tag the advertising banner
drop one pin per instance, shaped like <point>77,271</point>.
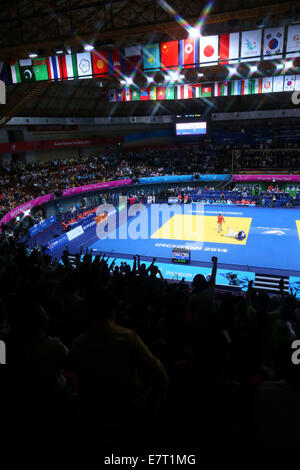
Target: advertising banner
<point>26,206</point>
<point>37,228</point>
<point>277,178</point>
<point>96,186</point>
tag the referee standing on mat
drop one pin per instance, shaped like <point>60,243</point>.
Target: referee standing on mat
<point>221,221</point>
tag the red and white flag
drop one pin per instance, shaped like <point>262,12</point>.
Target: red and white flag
<point>184,92</point>
<point>229,48</point>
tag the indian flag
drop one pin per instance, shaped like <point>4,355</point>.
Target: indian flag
<point>15,72</point>
<point>69,66</point>
<point>258,86</point>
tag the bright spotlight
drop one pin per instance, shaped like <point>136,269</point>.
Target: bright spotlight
<point>194,33</point>
<point>253,68</point>
<point>174,76</point>
<point>129,81</point>
<point>231,70</point>
<point>88,47</point>
<point>289,64</point>
<point>279,66</point>
<point>150,79</point>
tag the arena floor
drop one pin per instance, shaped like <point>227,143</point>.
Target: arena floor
<point>271,246</point>
<point>272,239</point>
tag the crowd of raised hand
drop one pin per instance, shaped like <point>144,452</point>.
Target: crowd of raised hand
<point>116,357</point>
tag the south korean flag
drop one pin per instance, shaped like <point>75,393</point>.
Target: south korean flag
<point>273,41</point>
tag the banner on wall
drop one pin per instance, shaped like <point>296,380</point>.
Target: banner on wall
<point>26,206</point>
<point>277,178</point>
<point>96,186</point>
<point>41,226</point>
<point>55,144</point>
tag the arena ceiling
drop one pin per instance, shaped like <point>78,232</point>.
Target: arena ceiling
<point>44,26</point>
<point>28,25</point>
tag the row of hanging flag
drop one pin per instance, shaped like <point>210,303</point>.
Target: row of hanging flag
<point>205,90</point>
<point>271,43</point>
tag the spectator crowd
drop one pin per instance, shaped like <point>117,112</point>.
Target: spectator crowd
<point>117,358</point>
<point>21,182</point>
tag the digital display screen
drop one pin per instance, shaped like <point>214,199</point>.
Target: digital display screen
<point>181,256</point>
<point>191,128</point>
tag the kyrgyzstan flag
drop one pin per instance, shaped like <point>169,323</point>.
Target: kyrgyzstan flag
<point>169,54</point>
<point>161,93</point>
<point>188,57</point>
<point>229,48</point>
<point>100,62</point>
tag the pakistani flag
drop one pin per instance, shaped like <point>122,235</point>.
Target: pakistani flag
<point>15,72</point>
<point>40,69</point>
<point>170,93</point>
<point>26,70</point>
<point>135,96</point>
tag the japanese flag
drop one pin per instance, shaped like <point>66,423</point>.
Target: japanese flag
<point>209,50</point>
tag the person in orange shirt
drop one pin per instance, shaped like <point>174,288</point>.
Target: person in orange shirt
<point>221,221</point>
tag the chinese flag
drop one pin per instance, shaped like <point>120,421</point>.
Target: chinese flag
<point>100,62</point>
<point>169,54</point>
